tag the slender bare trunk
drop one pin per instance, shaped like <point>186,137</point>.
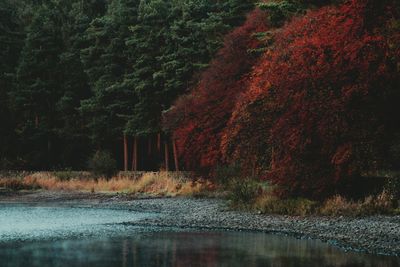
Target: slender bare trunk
<point>166,155</point>
<point>175,155</point>
<point>254,169</point>
<point>125,153</point>
<point>159,142</point>
<point>149,146</point>
<point>134,155</point>
<point>36,121</point>
<point>273,159</point>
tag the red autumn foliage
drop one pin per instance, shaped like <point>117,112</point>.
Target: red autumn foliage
<point>320,107</point>
<point>198,119</point>
<point>324,102</point>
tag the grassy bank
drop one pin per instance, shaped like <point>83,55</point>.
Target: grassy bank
<point>334,206</point>
<point>151,183</point>
<point>242,194</point>
<point>259,197</point>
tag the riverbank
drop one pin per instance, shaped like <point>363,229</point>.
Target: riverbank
<point>373,234</point>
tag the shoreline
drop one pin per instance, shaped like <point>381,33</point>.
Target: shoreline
<point>373,234</point>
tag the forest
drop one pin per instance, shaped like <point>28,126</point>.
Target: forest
<point>78,76</point>
<point>301,93</point>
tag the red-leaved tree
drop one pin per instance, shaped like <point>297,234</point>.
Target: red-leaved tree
<point>198,119</point>
<point>324,101</point>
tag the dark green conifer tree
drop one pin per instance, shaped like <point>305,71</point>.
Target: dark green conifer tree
<point>11,37</point>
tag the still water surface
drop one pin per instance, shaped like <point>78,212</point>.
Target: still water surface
<point>65,236</point>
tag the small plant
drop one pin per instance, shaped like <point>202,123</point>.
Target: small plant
<point>17,184</point>
<point>226,173</point>
<point>393,188</point>
<point>339,206</point>
<point>65,175</point>
<point>380,204</point>
<point>242,191</point>
<point>269,204</point>
<point>13,184</point>
<point>103,164</point>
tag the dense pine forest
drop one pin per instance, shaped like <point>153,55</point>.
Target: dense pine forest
<point>302,93</point>
<point>77,76</point>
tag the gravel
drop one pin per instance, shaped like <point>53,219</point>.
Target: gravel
<point>374,234</point>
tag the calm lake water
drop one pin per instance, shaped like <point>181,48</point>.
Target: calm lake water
<point>62,236</point>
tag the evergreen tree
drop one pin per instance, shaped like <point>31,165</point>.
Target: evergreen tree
<point>145,44</point>
<point>38,88</point>
<point>74,84</point>
<point>11,36</point>
<point>106,61</point>
<point>98,70</point>
<point>173,41</point>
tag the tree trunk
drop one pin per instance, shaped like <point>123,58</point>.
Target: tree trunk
<point>175,155</point>
<point>49,156</point>
<point>125,153</point>
<point>273,159</point>
<point>166,155</point>
<point>254,169</point>
<point>159,142</point>
<point>36,121</point>
<point>134,155</point>
<point>149,146</point>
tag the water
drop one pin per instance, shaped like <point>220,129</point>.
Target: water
<point>62,236</point>
<point>29,222</point>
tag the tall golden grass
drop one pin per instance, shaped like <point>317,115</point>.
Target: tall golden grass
<point>338,205</point>
<point>159,183</point>
<point>334,206</point>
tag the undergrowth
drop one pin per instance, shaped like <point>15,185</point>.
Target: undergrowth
<point>334,206</point>
<point>249,194</point>
<point>246,193</point>
<point>157,183</point>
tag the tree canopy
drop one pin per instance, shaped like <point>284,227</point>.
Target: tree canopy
<point>77,76</point>
<point>303,93</point>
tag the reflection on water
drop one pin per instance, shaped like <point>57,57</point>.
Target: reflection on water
<point>64,236</point>
<point>28,222</point>
<point>174,248</point>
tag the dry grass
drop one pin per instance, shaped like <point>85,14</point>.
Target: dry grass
<point>267,203</point>
<point>334,206</point>
<point>161,183</point>
<point>176,184</point>
<point>337,206</point>
<point>17,184</point>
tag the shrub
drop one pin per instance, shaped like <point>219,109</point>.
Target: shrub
<point>339,206</point>
<point>267,203</point>
<point>393,187</point>
<point>17,184</point>
<point>381,204</point>
<point>242,191</point>
<point>13,184</point>
<point>65,175</point>
<point>102,164</point>
<point>322,99</point>
<point>225,173</point>
<point>334,206</point>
